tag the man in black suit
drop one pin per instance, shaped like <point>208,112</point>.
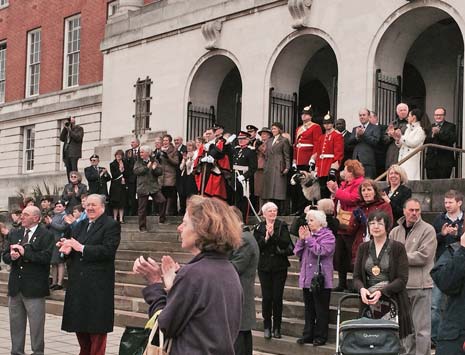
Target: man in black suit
<point>439,162</point>
<point>182,151</point>
<point>89,300</point>
<point>131,156</point>
<point>97,177</point>
<point>364,139</point>
<point>380,150</point>
<point>28,250</point>
<point>71,135</point>
<point>348,149</point>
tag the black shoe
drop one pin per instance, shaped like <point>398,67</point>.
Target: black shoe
<point>57,288</point>
<point>319,342</point>
<point>267,333</point>
<point>304,340</point>
<point>277,333</point>
<point>52,287</point>
<point>143,230</point>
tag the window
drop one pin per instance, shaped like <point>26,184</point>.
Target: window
<point>33,63</point>
<point>2,71</point>
<point>29,137</point>
<point>72,51</point>
<point>112,7</point>
<point>142,101</point>
<point>3,3</point>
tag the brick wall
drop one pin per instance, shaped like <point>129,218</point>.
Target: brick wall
<point>22,16</point>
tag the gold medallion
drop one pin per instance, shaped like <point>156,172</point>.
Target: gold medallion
<point>375,270</point>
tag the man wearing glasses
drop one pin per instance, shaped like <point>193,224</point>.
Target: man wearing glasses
<point>439,162</point>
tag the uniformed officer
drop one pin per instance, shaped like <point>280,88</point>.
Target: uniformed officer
<point>306,136</point>
<point>329,153</point>
<point>244,167</point>
<point>254,141</point>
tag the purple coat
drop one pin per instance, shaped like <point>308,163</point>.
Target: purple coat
<point>322,242</point>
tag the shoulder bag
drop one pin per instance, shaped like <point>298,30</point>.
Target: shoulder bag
<point>318,280</point>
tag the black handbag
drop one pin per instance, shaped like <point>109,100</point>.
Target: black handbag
<point>134,341</point>
<point>318,280</point>
<point>289,250</point>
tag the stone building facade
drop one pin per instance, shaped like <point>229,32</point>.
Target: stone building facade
<point>256,61</point>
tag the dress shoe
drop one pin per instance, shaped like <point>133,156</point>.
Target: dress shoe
<point>304,340</point>
<point>319,342</point>
<point>267,333</point>
<point>162,220</point>
<point>52,287</point>
<point>143,230</point>
<point>277,333</point>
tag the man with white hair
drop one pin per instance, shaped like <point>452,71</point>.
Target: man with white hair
<point>28,250</point>
<point>148,169</point>
<point>400,123</point>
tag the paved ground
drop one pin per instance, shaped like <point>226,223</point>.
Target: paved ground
<point>57,342</point>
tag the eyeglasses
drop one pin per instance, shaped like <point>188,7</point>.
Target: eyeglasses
<point>376,223</point>
<point>73,177</point>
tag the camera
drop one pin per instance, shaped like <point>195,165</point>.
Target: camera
<point>453,225</point>
<point>68,122</point>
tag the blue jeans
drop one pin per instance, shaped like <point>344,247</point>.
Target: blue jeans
<point>437,307</point>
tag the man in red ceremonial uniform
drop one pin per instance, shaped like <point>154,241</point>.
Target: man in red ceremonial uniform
<point>306,137</point>
<point>212,166</point>
<point>328,155</point>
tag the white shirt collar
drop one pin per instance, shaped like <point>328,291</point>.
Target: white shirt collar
<point>32,230</point>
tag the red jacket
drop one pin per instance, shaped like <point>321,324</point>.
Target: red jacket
<point>347,194</point>
<point>306,138</point>
<point>329,149</point>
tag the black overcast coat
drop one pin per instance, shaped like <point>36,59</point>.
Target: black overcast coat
<point>89,301</point>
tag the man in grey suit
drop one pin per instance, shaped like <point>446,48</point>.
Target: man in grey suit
<point>245,260</point>
<point>364,139</point>
<point>28,250</point>
<point>71,135</point>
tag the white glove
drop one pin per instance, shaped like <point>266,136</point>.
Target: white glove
<point>231,139</point>
<point>206,146</point>
<point>241,178</point>
<point>294,166</point>
<point>312,164</point>
<point>207,159</point>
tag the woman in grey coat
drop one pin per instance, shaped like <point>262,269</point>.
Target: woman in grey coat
<point>277,165</point>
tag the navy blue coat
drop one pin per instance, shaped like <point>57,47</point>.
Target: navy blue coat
<point>449,276</point>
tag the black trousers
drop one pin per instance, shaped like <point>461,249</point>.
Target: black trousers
<point>71,164</point>
<point>243,344</point>
<point>442,172</point>
<point>171,200</point>
<point>451,347</point>
<point>272,284</point>
<point>132,201</point>
<point>316,314</point>
<point>325,193</point>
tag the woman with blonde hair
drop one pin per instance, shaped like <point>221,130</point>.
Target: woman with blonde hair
<point>396,193</point>
<point>202,301</point>
<point>274,240</point>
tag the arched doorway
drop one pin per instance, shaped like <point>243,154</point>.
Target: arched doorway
<point>304,73</point>
<point>424,48</point>
<point>214,96</point>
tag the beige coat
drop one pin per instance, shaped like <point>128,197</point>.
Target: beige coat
<point>169,164</point>
<point>421,248</point>
<point>277,159</point>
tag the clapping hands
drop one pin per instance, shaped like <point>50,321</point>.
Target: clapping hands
<point>154,272</point>
<point>369,298</point>
<point>304,232</point>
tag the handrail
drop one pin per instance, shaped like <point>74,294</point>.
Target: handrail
<point>419,149</point>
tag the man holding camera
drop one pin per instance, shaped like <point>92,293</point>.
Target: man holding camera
<point>71,135</point>
<point>28,250</point>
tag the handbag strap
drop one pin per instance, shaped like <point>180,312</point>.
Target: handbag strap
<point>319,264</point>
<point>161,336</point>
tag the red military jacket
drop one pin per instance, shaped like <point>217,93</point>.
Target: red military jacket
<point>329,149</point>
<point>306,137</point>
<point>215,184</point>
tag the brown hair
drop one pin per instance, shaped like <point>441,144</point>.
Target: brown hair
<point>119,152</point>
<point>456,195</point>
<point>373,184</point>
<point>217,226</point>
<point>355,167</point>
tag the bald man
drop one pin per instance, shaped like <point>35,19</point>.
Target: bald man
<point>28,250</point>
<point>400,123</point>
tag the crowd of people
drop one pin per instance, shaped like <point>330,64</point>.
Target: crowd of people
<point>216,182</point>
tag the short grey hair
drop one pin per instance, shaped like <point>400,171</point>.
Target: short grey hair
<point>101,198</point>
<point>146,148</point>
<point>268,206</point>
<point>326,205</point>
<point>317,215</point>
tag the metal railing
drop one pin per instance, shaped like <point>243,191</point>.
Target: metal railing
<point>421,149</point>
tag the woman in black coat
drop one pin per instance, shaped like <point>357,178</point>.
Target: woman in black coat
<point>397,192</point>
<point>119,188</point>
<point>381,270</point>
<point>73,191</point>
<point>274,241</point>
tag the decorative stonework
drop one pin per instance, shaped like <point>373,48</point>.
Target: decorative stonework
<point>129,5</point>
<point>299,9</point>
<point>211,32</point>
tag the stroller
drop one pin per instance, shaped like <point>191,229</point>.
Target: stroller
<point>368,336</point>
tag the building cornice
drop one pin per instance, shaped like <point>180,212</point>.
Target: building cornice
<point>164,19</point>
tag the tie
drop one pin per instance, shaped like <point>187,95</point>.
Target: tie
<point>96,168</point>
<point>89,226</point>
<point>26,237</point>
<point>135,152</point>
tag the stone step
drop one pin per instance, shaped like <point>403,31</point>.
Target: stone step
<point>150,245</point>
<point>164,236</point>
